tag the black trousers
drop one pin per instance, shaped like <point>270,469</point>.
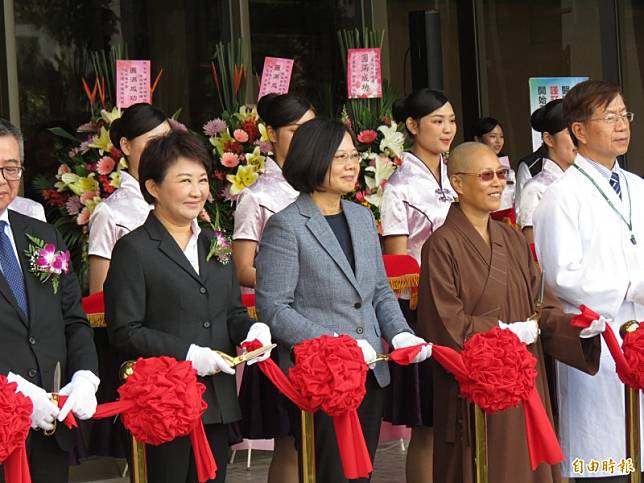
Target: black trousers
<point>174,462</point>
<point>47,462</point>
<point>329,466</point>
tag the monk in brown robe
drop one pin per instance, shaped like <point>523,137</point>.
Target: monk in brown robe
<point>478,272</point>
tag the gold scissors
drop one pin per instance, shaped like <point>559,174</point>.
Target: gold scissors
<point>245,357</point>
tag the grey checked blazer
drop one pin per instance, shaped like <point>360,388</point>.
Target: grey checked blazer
<point>306,287</point>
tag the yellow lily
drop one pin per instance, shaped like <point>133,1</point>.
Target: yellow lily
<point>256,159</point>
<point>219,141</point>
<point>102,142</point>
<point>93,203</point>
<point>263,132</point>
<point>115,178</point>
<point>79,184</point>
<point>110,116</point>
<point>245,176</point>
<point>245,113</point>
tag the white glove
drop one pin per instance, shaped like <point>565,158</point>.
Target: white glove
<point>45,410</point>
<point>527,331</point>
<point>407,339</point>
<point>207,362</point>
<point>596,327</point>
<point>262,333</point>
<point>368,352</point>
<point>81,395</point>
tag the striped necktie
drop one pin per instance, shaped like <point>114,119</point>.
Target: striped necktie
<point>11,270</point>
<point>614,182</point>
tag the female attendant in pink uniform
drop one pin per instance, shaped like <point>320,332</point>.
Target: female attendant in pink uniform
<point>263,410</point>
<point>415,203</point>
<point>122,212</point>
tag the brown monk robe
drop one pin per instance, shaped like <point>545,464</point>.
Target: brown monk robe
<point>475,273</point>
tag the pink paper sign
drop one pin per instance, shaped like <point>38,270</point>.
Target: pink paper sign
<point>276,76</point>
<point>132,82</point>
<point>364,77</point>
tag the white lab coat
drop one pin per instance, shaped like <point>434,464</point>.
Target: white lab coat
<point>587,257</point>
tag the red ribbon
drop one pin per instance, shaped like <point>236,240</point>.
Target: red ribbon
<point>543,446</point>
<point>160,401</point>
<point>623,368</point>
<point>354,455</point>
<point>70,420</point>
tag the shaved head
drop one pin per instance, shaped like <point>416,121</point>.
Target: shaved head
<point>462,156</point>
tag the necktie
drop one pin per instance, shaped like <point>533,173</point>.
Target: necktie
<point>11,270</point>
<point>614,182</point>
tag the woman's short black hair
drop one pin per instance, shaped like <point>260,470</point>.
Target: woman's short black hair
<point>162,152</point>
<point>418,104</point>
<point>485,125</point>
<point>311,153</point>
<point>135,121</point>
<point>279,110</point>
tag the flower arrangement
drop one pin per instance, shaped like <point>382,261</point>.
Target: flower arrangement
<point>46,262</point>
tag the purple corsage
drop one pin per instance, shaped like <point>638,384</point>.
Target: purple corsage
<point>220,248</point>
<point>45,262</point>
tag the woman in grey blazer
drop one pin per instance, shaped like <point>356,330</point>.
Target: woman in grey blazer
<point>320,271</point>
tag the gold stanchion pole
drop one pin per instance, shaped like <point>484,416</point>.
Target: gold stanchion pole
<point>480,445</point>
<point>307,458</point>
<point>632,404</point>
<point>138,466</point>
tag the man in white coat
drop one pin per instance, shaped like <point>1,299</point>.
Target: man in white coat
<point>589,235</point>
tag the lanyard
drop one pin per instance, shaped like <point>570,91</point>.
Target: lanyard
<point>628,223</point>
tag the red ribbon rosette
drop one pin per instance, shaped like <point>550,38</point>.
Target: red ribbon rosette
<point>160,401</point>
<point>329,374</point>
<point>496,371</point>
<point>15,421</point>
<point>629,364</point>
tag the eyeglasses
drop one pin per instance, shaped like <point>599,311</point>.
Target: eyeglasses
<point>347,158</point>
<point>488,175</point>
<point>612,118</point>
<point>11,173</point>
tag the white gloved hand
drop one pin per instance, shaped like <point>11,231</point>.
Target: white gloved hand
<point>81,395</point>
<point>207,362</point>
<point>262,333</point>
<point>45,410</point>
<point>596,327</point>
<point>368,352</point>
<point>407,339</point>
<point>527,331</point>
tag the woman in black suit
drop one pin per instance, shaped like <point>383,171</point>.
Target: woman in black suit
<point>164,298</point>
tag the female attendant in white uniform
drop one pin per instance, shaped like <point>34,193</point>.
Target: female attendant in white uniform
<point>125,209</point>
<point>560,155</point>
<point>264,413</point>
<point>122,212</point>
<point>415,203</point>
<point>490,132</point>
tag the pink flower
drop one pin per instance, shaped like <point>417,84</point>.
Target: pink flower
<point>87,127</point>
<point>265,147</point>
<point>83,217</point>
<point>214,127</point>
<point>88,196</point>
<point>73,152</point>
<point>84,146</point>
<point>46,256</point>
<point>367,136</point>
<point>230,160</point>
<point>63,169</point>
<point>105,165</point>
<point>177,126</point>
<point>73,205</point>
<point>204,216</point>
<point>360,196</point>
<point>240,135</point>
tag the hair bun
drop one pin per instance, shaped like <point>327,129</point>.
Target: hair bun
<point>549,118</point>
<point>115,133</point>
<point>399,109</point>
<point>264,105</point>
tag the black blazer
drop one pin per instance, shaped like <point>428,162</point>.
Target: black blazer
<point>57,329</point>
<point>157,305</point>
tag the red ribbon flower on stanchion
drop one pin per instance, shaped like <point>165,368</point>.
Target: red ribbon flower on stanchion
<point>629,363</point>
<point>329,374</point>
<point>15,421</point>
<point>496,371</point>
<point>160,401</point>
